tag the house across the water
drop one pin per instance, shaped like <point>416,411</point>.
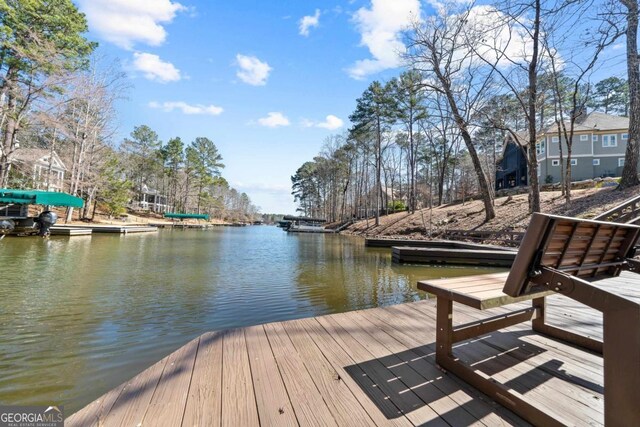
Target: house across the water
<point>38,169</point>
<point>598,151</point>
<point>150,199</point>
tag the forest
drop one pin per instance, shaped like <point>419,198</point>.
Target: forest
<point>475,76</point>
<point>58,94</point>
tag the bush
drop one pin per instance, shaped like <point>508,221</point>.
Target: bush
<point>548,179</point>
<point>398,205</point>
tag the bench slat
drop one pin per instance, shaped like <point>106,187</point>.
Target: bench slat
<point>481,291</point>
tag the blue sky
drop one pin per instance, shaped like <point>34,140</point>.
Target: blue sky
<point>267,81</point>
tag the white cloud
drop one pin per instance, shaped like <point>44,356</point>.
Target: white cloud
<point>252,71</point>
<point>274,120</point>
<point>155,68</point>
<point>331,122</point>
<point>380,29</point>
<point>127,22</point>
<point>309,21</point>
<point>197,109</point>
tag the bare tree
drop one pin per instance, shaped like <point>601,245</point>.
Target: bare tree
<point>573,68</point>
<point>439,49</point>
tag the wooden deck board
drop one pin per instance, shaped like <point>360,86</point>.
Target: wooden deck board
<point>309,405</point>
<point>340,400</point>
<point>274,405</point>
<point>368,367</point>
<point>204,401</point>
<point>238,397</point>
<point>168,402</point>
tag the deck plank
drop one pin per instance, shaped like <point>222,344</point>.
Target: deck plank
<point>204,400</point>
<point>308,404</point>
<point>131,405</point>
<point>339,360</point>
<point>168,402</point>
<point>343,405</point>
<point>414,372</point>
<point>490,413</point>
<point>523,377</point>
<point>96,411</point>
<point>416,410</point>
<point>274,405</point>
<point>238,397</point>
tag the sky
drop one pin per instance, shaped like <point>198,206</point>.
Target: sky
<point>267,81</point>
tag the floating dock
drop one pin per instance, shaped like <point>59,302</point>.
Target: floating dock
<point>448,244</point>
<point>477,257</point>
<point>308,229</point>
<point>372,367</point>
<point>121,229</point>
<point>68,231</point>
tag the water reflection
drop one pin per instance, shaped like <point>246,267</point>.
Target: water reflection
<point>80,315</point>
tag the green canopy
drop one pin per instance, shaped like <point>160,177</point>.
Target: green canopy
<point>37,197</point>
<point>185,216</point>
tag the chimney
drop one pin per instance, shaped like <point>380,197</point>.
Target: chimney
<point>580,114</point>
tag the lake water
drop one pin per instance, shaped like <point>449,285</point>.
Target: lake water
<point>80,315</point>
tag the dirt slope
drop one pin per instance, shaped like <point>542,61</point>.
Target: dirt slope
<point>511,213</point>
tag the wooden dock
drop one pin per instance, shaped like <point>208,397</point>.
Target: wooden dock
<point>476,257</point>
<point>371,367</point>
<point>118,229</point>
<point>68,231</point>
<point>435,244</point>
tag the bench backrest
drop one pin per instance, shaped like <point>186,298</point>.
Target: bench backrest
<point>579,247</point>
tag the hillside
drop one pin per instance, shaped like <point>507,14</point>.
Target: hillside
<point>511,214</point>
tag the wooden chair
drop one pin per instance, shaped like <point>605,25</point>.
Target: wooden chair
<point>556,255</point>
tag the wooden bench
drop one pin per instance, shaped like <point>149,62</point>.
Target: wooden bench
<point>557,255</point>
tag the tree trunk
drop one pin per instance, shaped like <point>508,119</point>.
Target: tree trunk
<point>8,144</point>
<point>489,212</point>
<point>378,169</point>
<point>534,192</point>
<point>632,155</point>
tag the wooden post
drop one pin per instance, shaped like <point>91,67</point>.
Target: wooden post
<point>444,331</point>
<point>621,366</point>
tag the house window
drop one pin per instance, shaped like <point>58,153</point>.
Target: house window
<point>555,139</point>
<point>555,162</point>
<point>594,138</point>
<point>621,162</point>
<point>540,148</point>
<point>609,141</point>
<point>624,136</point>
<point>596,162</point>
<point>574,162</point>
<point>584,137</point>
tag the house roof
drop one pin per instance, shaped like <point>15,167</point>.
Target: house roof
<point>602,121</point>
<point>521,136</point>
<point>32,155</point>
<point>594,121</point>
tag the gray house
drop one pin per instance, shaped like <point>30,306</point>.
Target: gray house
<point>598,148</point>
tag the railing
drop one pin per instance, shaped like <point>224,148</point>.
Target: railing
<point>626,212</point>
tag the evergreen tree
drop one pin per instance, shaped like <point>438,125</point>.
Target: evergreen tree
<point>38,39</point>
<point>375,111</point>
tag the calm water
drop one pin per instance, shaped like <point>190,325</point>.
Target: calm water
<point>80,315</point>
